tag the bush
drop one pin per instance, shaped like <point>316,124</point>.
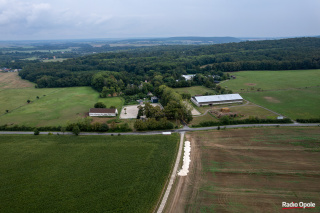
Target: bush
<point>99,105</point>
<point>36,131</point>
<point>104,128</point>
<point>76,130</point>
<point>153,124</point>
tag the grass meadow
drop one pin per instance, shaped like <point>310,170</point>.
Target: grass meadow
<point>294,93</point>
<point>55,106</point>
<point>300,103</point>
<point>195,90</point>
<point>273,80</point>
<point>84,173</point>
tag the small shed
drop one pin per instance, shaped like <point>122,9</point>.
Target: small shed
<point>154,99</point>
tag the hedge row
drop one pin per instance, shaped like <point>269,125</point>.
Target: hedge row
<point>88,128</point>
<point>310,120</point>
<point>245,121</point>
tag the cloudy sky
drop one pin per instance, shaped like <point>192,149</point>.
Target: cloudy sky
<point>78,19</point>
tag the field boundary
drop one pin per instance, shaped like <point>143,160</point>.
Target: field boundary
<point>173,176</point>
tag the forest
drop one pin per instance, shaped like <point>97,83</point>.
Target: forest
<point>165,64</point>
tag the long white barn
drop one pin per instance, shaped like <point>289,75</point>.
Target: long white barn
<point>216,99</point>
<point>102,112</point>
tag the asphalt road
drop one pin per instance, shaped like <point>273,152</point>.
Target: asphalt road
<point>185,129</point>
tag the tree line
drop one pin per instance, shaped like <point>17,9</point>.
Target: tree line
<point>166,64</point>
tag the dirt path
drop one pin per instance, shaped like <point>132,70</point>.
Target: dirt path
<point>173,176</point>
<point>186,188</point>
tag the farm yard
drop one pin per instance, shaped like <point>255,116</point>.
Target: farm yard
<point>85,173</point>
<point>249,170</point>
<point>131,111</point>
<point>243,111</point>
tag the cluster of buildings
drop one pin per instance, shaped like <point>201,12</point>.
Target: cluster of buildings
<point>5,69</point>
<point>208,100</point>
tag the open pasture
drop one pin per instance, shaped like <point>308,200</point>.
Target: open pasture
<point>84,173</point>
<point>297,103</point>
<point>195,90</point>
<point>9,80</point>
<point>251,170</point>
<point>55,106</point>
<point>272,80</point>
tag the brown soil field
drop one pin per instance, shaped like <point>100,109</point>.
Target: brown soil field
<point>12,80</point>
<point>250,170</point>
<point>250,84</point>
<point>271,99</point>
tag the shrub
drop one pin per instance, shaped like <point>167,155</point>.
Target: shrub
<point>36,131</point>
<point>99,105</point>
<point>76,130</point>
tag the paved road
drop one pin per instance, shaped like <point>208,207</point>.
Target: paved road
<point>184,129</point>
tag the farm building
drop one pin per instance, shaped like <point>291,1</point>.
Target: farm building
<point>154,99</point>
<point>103,112</point>
<point>216,99</point>
<point>188,77</point>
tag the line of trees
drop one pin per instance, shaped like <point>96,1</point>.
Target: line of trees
<point>165,64</point>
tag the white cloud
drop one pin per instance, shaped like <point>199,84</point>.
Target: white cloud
<point>47,19</point>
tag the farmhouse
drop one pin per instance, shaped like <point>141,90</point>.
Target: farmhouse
<point>188,77</point>
<point>216,99</point>
<point>103,112</point>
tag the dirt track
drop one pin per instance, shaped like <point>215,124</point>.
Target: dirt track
<point>186,187</point>
<point>249,170</point>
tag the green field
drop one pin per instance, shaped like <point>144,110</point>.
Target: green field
<point>300,103</point>
<point>56,106</point>
<point>85,173</point>
<point>294,94</point>
<point>195,90</point>
<point>273,80</point>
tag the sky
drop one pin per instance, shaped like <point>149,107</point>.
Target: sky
<point>83,19</point>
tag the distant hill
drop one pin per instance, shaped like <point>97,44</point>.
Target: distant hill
<point>178,40</point>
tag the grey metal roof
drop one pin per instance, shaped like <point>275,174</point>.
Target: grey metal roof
<point>216,98</point>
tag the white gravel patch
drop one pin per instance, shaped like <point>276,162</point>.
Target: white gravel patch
<point>132,111</point>
<point>186,159</point>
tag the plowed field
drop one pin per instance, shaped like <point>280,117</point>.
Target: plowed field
<point>251,170</point>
